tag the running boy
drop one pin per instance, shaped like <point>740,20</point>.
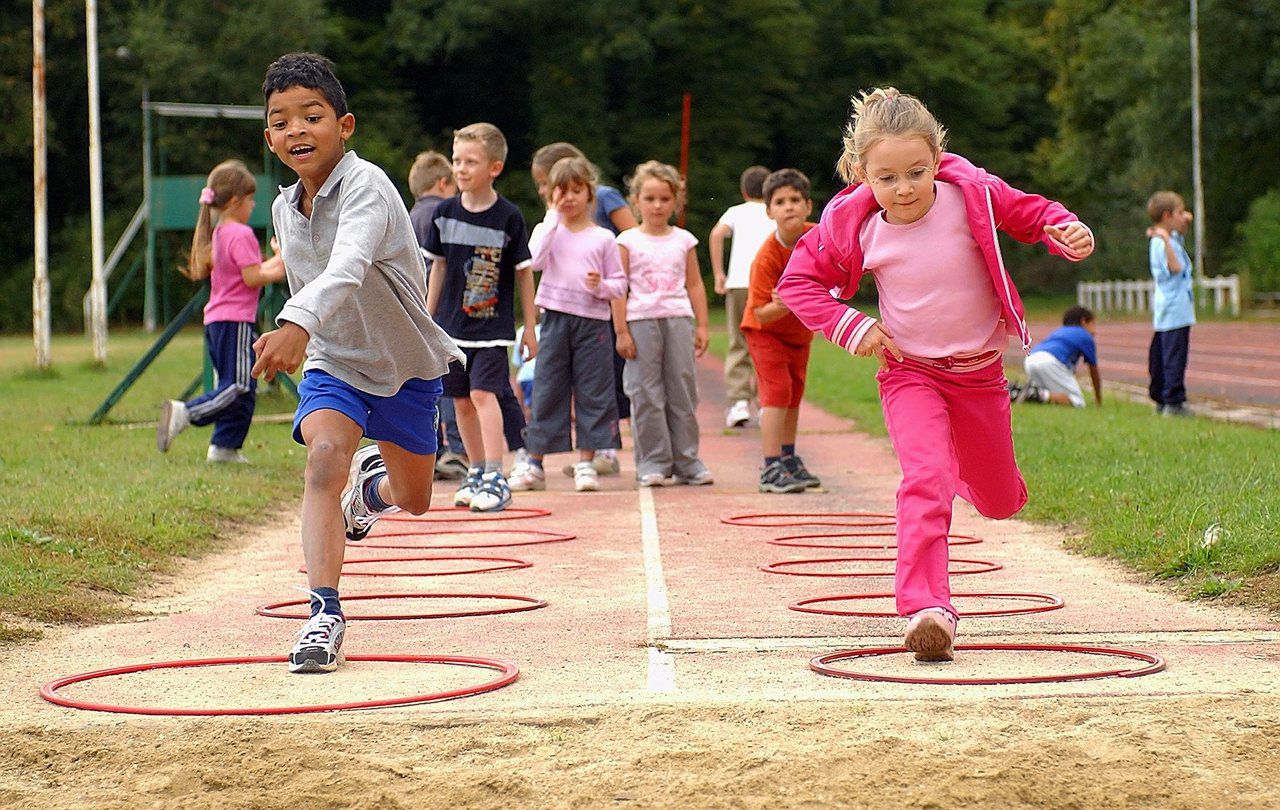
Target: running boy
<point>778,342</point>
<point>357,315</point>
<point>1051,375</point>
<point>479,249</point>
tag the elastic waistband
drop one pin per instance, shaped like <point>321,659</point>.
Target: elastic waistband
<point>963,362</point>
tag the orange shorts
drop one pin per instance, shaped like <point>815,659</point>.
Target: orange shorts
<point>780,369</point>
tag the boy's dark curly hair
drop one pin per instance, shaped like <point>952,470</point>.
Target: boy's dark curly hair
<point>309,70</point>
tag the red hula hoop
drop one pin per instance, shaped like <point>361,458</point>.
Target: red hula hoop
<point>755,519</point>
<point>543,537</point>
<point>509,673</point>
<point>821,665</point>
<point>776,567</point>
<point>513,566</point>
<point>952,540</point>
<point>465,515</point>
<point>1047,602</point>
<point>271,611</point>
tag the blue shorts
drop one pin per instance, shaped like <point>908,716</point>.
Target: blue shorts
<point>407,418</point>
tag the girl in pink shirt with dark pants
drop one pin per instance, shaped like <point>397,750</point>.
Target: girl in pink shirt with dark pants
<point>923,223</point>
<point>229,256</point>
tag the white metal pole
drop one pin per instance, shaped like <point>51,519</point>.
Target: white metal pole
<point>40,320</point>
<point>1197,173</point>
<point>98,287</point>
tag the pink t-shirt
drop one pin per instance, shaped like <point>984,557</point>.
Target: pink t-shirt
<point>230,299</point>
<point>936,296</point>
<point>658,272</point>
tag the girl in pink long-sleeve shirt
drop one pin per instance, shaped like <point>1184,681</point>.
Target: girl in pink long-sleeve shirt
<point>581,274</point>
<point>923,222</point>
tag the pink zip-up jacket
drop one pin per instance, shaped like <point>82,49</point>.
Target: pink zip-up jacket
<point>827,262</point>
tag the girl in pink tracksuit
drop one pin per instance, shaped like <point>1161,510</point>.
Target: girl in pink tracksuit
<point>923,223</point>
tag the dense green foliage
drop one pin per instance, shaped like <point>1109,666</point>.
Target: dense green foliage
<point>1084,100</point>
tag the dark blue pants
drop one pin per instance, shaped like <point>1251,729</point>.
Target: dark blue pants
<point>575,374</point>
<point>1167,363</point>
<point>229,406</point>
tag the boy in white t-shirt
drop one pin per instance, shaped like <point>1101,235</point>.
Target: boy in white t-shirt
<point>749,226</point>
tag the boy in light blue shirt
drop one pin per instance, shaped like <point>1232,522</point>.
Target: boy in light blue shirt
<point>1172,305</point>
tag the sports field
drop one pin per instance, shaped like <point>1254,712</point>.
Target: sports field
<point>665,669</point>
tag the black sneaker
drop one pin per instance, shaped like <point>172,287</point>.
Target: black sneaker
<point>776,478</point>
<point>798,471</point>
<point>1015,392</point>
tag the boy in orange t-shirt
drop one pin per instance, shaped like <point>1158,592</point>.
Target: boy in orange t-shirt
<point>777,341</point>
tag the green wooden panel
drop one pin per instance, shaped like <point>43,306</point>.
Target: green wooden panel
<point>175,201</point>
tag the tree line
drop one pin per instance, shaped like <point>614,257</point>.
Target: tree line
<point>1087,101</point>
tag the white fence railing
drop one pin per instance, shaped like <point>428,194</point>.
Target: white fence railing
<point>1135,296</point>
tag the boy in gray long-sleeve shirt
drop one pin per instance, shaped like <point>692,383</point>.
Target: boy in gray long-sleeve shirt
<point>374,357</point>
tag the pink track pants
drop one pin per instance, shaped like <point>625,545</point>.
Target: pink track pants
<point>952,433</point>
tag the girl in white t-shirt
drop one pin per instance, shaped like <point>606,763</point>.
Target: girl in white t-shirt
<point>662,326</point>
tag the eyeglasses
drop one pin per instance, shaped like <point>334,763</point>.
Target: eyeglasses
<point>915,177</point>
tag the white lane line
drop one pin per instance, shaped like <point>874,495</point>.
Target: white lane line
<point>662,675</point>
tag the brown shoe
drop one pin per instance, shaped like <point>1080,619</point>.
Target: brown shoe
<point>931,635</point>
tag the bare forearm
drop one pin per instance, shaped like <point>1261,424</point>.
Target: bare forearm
<point>770,312</point>
<point>524,284</point>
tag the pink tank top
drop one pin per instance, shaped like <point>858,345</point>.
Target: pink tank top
<point>230,299</point>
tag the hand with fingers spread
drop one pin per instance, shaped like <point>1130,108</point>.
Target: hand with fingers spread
<point>281,349</point>
<point>1074,236</point>
<point>878,342</point>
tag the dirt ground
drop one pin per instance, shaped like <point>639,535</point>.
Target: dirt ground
<point>666,670</point>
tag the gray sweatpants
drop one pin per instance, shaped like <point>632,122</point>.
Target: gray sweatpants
<point>575,373</point>
<point>664,397</point>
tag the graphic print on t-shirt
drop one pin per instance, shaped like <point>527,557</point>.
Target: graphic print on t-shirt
<point>480,295</point>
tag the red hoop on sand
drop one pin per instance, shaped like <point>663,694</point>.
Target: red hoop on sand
<point>509,674</point>
<point>952,540</point>
<point>465,515</point>
<point>542,537</point>
<point>528,603</point>
<point>821,665</point>
<point>986,566</point>
<point>513,565</point>
<point>1047,602</point>
<point>819,519</point>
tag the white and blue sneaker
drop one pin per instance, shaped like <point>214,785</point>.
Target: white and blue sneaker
<point>470,485</point>
<point>357,517</point>
<point>319,644</point>
<point>493,494</point>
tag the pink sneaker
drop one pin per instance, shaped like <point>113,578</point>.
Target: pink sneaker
<point>931,635</point>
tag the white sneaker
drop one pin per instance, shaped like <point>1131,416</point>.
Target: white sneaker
<point>319,644</point>
<point>224,455</point>
<point>653,480</point>
<point>699,479</point>
<point>173,420</point>
<point>356,514</point>
<point>606,462</point>
<point>470,484</point>
<point>528,478</point>
<point>738,415</point>
<point>520,463</point>
<point>493,494</point>
<point>585,477</point>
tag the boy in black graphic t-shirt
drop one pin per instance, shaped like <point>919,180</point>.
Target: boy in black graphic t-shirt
<point>479,249</point>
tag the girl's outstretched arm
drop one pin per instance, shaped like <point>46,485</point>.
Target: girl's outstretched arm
<point>1033,218</point>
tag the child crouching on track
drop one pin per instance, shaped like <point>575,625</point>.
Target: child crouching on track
<point>580,275</point>
<point>358,315</point>
<point>778,342</point>
<point>662,326</point>
<point>923,222</point>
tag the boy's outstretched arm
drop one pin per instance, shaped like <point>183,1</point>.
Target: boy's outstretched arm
<point>1096,377</point>
<point>281,349</point>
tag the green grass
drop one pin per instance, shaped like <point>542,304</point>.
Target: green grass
<point>1191,501</point>
<point>88,513</point>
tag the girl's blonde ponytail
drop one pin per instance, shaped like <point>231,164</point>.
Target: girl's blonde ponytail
<point>228,180</point>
